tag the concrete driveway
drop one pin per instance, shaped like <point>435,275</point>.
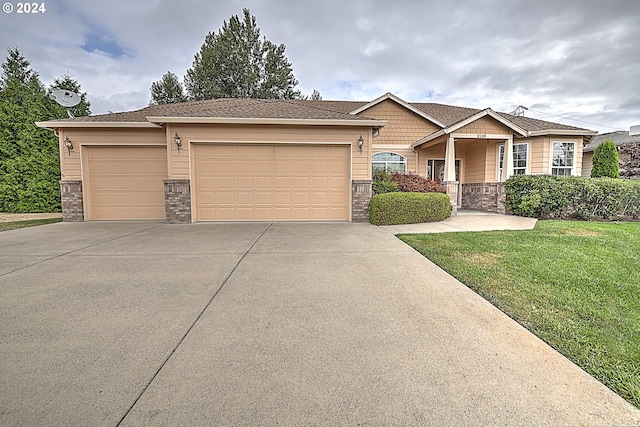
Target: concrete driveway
<point>143,323</point>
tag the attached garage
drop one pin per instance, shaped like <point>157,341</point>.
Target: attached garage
<point>270,182</point>
<point>124,182</point>
<point>217,160</point>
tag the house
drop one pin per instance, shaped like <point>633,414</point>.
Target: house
<point>270,160</point>
<point>619,138</point>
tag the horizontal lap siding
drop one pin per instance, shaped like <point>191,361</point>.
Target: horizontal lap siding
<point>70,163</point>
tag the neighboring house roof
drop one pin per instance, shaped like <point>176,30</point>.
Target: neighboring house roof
<point>257,111</point>
<point>619,138</point>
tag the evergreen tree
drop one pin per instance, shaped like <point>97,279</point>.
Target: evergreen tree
<point>237,63</point>
<point>167,90</point>
<point>605,161</point>
<point>29,157</point>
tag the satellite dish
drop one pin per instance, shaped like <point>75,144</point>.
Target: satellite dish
<point>66,98</point>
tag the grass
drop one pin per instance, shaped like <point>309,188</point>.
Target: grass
<point>576,285</point>
<point>4,226</point>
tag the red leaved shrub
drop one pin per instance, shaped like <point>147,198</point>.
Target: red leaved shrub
<point>411,182</point>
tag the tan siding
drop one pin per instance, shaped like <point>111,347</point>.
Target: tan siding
<point>491,165</point>
<point>179,163</point>
<point>403,126</point>
<point>475,163</point>
<point>587,164</point>
<point>70,164</point>
<point>485,125</point>
<point>539,156</point>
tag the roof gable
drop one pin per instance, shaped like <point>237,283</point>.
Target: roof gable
<point>401,102</point>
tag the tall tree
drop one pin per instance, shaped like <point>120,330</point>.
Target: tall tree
<point>167,90</point>
<point>67,82</point>
<point>29,159</point>
<point>237,63</point>
<point>605,161</point>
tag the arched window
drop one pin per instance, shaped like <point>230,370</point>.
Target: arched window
<point>390,162</point>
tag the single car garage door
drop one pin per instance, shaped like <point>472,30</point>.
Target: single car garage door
<point>124,182</point>
<point>269,182</point>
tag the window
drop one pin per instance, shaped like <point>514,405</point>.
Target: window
<point>519,159</point>
<point>390,162</point>
<point>563,158</point>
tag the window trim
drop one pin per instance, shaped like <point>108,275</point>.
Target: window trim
<point>406,165</point>
<point>574,162</point>
<point>526,168</point>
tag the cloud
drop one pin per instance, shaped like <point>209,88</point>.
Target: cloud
<point>573,58</point>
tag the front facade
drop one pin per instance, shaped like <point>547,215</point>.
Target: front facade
<point>294,160</point>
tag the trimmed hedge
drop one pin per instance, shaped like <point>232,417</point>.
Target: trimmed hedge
<point>551,197</point>
<point>408,208</point>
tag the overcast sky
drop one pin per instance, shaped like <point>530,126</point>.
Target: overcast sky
<point>565,60</point>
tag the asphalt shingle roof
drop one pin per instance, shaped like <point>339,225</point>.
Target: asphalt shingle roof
<point>302,109</point>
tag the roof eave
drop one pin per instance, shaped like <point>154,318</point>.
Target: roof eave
<point>574,132</point>
<point>266,121</point>
<point>71,124</point>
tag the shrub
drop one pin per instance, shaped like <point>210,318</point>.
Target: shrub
<point>550,197</point>
<point>605,161</point>
<point>411,182</point>
<point>382,182</point>
<point>408,208</point>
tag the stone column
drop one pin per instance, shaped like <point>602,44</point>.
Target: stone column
<point>452,191</point>
<point>71,200</point>
<point>360,198</point>
<point>177,201</point>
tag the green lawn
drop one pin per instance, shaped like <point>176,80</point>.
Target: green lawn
<point>4,226</point>
<point>576,285</point>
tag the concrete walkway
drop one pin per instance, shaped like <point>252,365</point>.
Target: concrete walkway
<point>466,221</point>
<point>144,323</point>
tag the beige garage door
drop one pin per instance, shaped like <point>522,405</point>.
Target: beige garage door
<point>271,182</point>
<point>125,182</point>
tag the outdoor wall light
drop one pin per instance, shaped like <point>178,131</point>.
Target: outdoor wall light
<point>178,141</point>
<point>360,143</point>
<point>68,144</point>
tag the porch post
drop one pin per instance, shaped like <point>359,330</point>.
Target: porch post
<point>450,182</point>
<point>507,162</point>
<point>450,160</point>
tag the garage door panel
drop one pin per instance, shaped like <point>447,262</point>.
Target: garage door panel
<point>270,182</point>
<point>125,182</point>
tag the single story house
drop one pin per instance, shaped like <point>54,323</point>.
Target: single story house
<point>270,160</point>
<point>619,138</point>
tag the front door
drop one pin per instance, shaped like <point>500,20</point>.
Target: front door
<point>435,170</point>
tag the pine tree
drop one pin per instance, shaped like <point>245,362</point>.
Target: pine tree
<point>167,90</point>
<point>29,157</point>
<point>237,63</point>
<point>605,161</point>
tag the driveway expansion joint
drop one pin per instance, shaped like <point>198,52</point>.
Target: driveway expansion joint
<point>190,328</point>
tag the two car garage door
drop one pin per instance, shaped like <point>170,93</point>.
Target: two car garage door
<point>270,182</point>
<point>231,182</point>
